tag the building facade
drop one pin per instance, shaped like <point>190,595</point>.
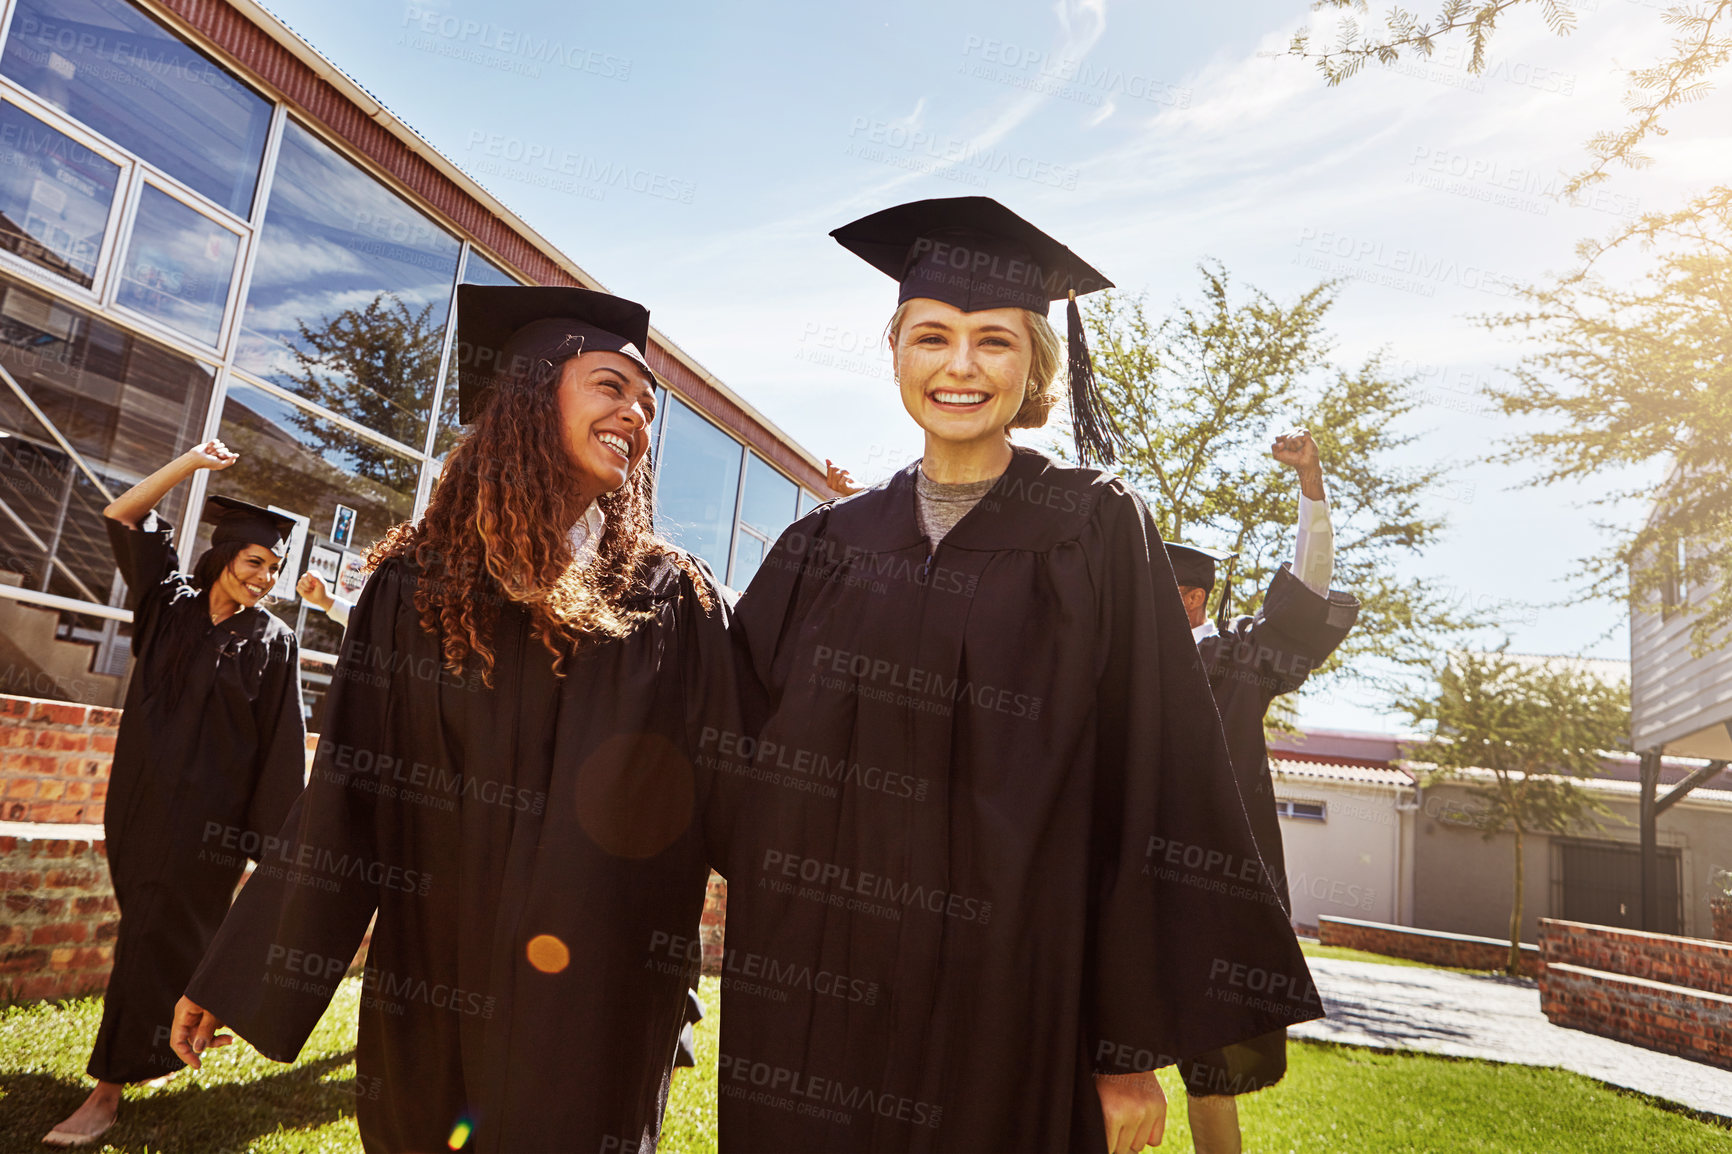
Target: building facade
<point>1347,836</point>
<point>1680,700</point>
<point>208,230</point>
<point>1364,838</point>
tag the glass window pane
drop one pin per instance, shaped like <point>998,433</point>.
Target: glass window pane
<point>479,270</point>
<point>807,502</point>
<point>178,266</point>
<point>700,475</point>
<point>749,553</point>
<point>109,65</point>
<point>54,196</point>
<point>349,292</point>
<point>127,406</point>
<point>767,507</point>
<point>306,465</point>
<point>770,501</point>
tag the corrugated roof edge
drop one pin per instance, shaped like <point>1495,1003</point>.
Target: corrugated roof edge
<point>278,30</point>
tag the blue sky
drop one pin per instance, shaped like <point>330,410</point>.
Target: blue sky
<point>694,157</point>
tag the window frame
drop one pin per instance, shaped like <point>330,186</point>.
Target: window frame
<point>1288,809</point>
<point>205,204</point>
<point>101,298</point>
<point>243,234</point>
<point>92,297</point>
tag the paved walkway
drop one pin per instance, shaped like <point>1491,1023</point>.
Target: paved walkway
<point>1494,1017</point>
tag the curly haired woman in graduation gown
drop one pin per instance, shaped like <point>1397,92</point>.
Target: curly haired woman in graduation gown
<point>505,776</point>
<point>988,847</point>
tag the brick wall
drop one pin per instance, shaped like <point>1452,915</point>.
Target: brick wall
<point>55,757</point>
<point>715,915</point>
<point>1696,963</point>
<point>1431,946</point>
<point>57,932</point>
<point>57,939</point>
<point>1693,1024</point>
<point>1657,991</point>
<point>54,760</point>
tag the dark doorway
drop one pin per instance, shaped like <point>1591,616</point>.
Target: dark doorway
<point>1601,882</point>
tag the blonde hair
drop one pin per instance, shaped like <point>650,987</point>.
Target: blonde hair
<point>1046,354</point>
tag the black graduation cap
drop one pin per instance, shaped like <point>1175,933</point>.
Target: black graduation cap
<point>975,254</point>
<point>507,328</point>
<point>249,524</point>
<point>1194,565</point>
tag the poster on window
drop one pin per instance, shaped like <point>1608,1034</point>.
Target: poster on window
<point>351,576</point>
<point>343,527</point>
<point>325,561</point>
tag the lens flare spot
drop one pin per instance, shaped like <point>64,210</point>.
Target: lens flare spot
<point>460,1134</point>
<point>548,954</point>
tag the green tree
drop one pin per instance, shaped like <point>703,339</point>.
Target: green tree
<point>1521,735</point>
<point>1634,384</point>
<point>374,364</point>
<point>1199,394</point>
<point>1701,47</point>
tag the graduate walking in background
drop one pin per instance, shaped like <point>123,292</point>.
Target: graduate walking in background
<point>1251,660</point>
<point>506,775</point>
<point>988,726</point>
<point>210,755</point>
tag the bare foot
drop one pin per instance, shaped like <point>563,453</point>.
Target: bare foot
<point>90,1121</point>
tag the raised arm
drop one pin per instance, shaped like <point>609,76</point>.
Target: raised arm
<point>130,507</point>
<point>1314,551</point>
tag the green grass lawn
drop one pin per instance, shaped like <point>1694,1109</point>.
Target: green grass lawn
<point>1314,949</point>
<point>1335,1099</point>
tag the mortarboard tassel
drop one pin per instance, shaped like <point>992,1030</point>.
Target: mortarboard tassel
<point>1221,617</point>
<point>1096,439</point>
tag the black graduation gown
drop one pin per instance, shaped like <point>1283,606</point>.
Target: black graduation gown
<point>988,843</point>
<point>1253,662</point>
<point>1256,659</point>
<point>197,780</point>
<point>534,859</point>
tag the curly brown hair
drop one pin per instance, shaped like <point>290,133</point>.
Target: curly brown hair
<point>496,530</point>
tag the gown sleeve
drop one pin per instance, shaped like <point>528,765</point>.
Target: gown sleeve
<point>769,603</point>
<point>147,562</point>
<point>295,900</point>
<point>1293,632</point>
<point>1190,948</point>
<point>755,635</point>
<point>282,759</point>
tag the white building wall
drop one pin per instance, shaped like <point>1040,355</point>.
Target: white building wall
<point>1356,863</point>
<point>1677,700</point>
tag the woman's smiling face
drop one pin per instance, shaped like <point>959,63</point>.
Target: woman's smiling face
<point>963,376</point>
<point>606,404</point>
<point>250,576</point>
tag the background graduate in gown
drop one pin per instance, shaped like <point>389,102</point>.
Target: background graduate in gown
<point>210,754</point>
<point>987,855</point>
<point>505,775</point>
<point>1251,660</point>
